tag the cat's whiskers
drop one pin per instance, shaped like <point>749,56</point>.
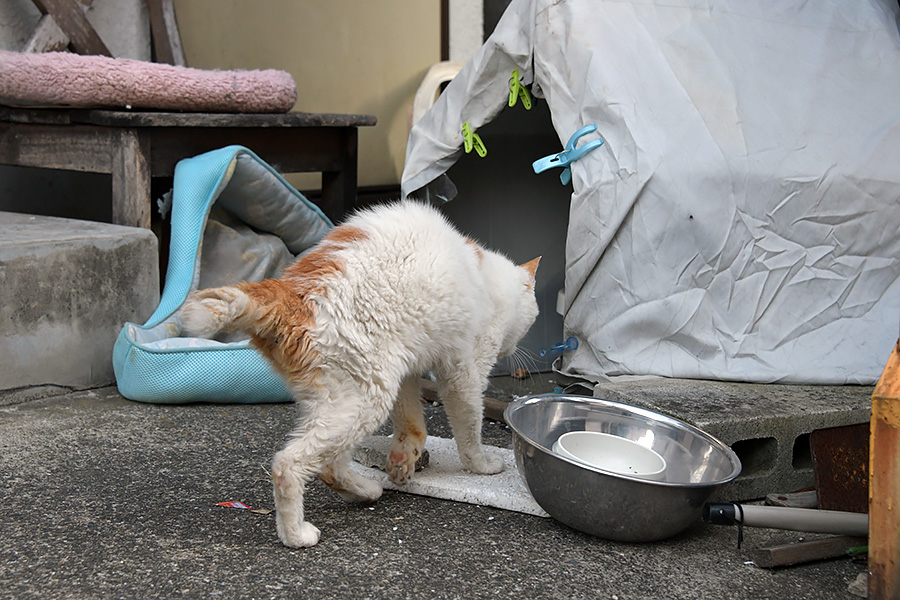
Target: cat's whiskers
<point>530,357</point>
<point>524,360</point>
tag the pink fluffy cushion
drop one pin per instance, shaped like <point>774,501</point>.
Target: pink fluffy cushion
<point>72,80</point>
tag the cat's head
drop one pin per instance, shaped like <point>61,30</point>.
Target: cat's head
<point>523,304</point>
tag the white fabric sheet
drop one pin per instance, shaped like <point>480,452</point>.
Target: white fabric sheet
<point>742,219</point>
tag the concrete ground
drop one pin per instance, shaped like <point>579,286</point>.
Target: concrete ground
<point>106,498</point>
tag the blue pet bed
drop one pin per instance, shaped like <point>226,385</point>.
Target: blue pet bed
<point>234,218</point>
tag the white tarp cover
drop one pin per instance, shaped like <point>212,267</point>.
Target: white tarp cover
<point>741,222</point>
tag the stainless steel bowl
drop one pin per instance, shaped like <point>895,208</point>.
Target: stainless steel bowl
<point>611,505</point>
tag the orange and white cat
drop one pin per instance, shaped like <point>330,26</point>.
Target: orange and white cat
<point>394,292</point>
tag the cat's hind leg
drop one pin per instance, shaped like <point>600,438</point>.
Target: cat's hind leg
<point>409,432</point>
<point>462,393</point>
<point>347,483</point>
<point>291,469</point>
<point>336,416</point>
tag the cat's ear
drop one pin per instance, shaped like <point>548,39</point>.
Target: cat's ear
<point>531,266</point>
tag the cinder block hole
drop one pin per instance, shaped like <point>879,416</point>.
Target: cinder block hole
<point>757,455</point>
<point>801,458</point>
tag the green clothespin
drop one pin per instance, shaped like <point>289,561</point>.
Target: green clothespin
<point>472,140</point>
<point>517,89</point>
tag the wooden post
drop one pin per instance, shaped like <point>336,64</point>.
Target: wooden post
<point>884,484</point>
<point>131,202</point>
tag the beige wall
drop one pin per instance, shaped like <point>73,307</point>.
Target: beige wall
<point>347,56</point>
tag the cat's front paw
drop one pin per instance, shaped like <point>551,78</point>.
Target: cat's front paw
<point>400,467</point>
<point>299,535</point>
<point>406,452</point>
<point>484,464</point>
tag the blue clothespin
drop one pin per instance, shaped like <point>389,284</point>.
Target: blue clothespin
<point>571,343</point>
<point>569,154</point>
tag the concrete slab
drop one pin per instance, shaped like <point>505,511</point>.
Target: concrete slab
<point>768,426</point>
<point>66,289</point>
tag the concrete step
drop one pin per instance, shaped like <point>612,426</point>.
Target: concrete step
<point>767,425</point>
<point>66,288</point>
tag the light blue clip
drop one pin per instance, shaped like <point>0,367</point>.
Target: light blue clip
<point>571,343</point>
<point>569,155</point>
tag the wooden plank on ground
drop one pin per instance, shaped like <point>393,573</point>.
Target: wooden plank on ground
<point>804,499</point>
<point>493,408</point>
<point>808,551</point>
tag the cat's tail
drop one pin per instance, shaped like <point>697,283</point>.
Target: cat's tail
<point>209,311</point>
<point>243,307</point>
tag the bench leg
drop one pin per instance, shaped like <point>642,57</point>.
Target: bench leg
<point>339,187</point>
<point>131,202</point>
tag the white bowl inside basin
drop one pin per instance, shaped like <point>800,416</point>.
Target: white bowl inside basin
<point>611,453</point>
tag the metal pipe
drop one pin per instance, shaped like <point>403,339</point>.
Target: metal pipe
<point>794,519</point>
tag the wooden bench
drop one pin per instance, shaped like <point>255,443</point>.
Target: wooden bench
<point>133,147</point>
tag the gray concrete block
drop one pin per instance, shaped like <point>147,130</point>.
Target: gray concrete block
<point>767,426</point>
<point>66,289</point>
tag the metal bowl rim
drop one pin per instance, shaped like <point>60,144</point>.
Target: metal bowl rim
<point>655,416</point>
